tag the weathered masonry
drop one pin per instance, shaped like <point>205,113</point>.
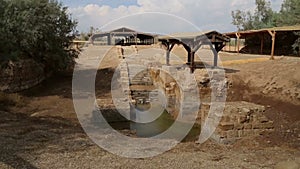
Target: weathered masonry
<point>122,36</point>
<point>192,42</point>
<point>239,120</point>
<point>141,81</point>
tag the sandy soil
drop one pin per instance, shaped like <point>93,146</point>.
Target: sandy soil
<point>43,131</point>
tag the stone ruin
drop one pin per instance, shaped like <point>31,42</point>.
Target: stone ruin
<point>239,119</point>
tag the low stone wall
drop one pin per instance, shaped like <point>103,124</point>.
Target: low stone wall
<point>240,119</point>
<point>166,83</point>
<point>21,75</point>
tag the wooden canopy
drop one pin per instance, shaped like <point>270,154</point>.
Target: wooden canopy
<point>271,31</point>
<point>131,37</point>
<point>192,42</point>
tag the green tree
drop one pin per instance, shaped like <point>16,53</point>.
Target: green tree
<point>264,17</point>
<point>243,20</point>
<point>37,29</point>
<point>261,18</point>
<point>289,13</point>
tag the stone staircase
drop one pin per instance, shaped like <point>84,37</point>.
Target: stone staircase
<point>138,70</point>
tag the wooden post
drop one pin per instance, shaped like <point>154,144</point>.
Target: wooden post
<point>192,65</point>
<point>168,51</point>
<point>238,35</point>
<point>262,44</point>
<point>273,34</point>
<point>188,49</point>
<point>135,38</point>
<point>168,58</point>
<point>109,38</point>
<point>215,52</point>
<point>235,44</point>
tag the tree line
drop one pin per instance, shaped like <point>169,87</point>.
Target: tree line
<point>265,17</point>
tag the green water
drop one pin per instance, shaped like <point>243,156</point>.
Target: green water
<point>161,124</point>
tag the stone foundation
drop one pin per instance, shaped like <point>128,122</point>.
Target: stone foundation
<point>240,119</point>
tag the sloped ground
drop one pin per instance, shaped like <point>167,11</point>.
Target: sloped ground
<point>276,85</point>
<point>43,132</point>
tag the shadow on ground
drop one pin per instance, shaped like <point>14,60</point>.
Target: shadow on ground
<point>23,137</point>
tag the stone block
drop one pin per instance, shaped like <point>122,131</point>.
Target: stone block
<point>247,126</point>
<point>238,126</point>
<point>267,125</point>
<point>245,110</point>
<point>240,133</point>
<point>247,133</point>
<point>263,119</point>
<point>225,119</point>
<point>257,131</point>
<point>221,134</point>
<point>258,126</point>
<point>243,119</point>
<point>232,134</point>
<point>226,126</point>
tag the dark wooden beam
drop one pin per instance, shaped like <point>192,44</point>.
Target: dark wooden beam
<point>169,46</point>
<point>188,49</point>
<point>192,63</point>
<point>196,47</point>
<point>169,49</point>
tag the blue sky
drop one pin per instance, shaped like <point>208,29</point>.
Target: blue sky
<point>159,16</point>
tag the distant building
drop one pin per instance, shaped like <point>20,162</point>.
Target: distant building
<point>122,36</point>
<point>274,41</point>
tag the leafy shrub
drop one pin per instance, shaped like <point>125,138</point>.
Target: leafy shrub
<point>37,29</point>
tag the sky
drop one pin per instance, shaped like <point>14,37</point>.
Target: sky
<point>158,16</point>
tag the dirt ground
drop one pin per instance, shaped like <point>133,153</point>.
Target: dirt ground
<point>41,130</point>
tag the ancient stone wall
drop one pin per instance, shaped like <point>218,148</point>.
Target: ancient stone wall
<point>166,83</point>
<point>240,119</point>
<point>21,75</point>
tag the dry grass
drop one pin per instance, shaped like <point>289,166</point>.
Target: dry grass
<point>235,62</point>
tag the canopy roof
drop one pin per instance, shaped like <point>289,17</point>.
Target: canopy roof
<point>122,32</point>
<point>213,36</point>
<point>265,30</point>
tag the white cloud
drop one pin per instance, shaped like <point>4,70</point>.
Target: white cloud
<point>206,14</point>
